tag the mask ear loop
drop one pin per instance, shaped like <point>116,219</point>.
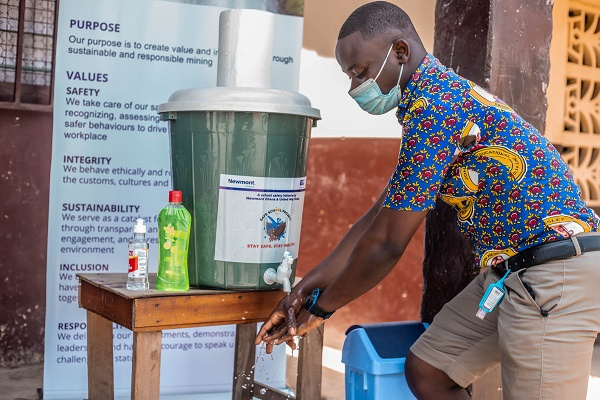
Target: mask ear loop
<point>399,99</point>
<point>398,83</point>
<point>384,61</point>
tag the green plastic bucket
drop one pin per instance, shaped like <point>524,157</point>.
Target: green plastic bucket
<point>239,155</point>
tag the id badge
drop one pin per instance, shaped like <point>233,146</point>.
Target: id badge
<point>492,297</point>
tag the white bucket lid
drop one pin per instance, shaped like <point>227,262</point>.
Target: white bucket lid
<point>244,99</point>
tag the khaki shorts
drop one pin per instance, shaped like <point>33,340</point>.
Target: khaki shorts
<point>542,357</point>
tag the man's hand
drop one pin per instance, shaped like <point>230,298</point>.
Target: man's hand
<point>306,322</point>
<point>282,320</point>
<point>319,277</point>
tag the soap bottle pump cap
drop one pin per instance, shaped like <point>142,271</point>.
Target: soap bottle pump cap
<point>175,196</point>
<point>139,226</point>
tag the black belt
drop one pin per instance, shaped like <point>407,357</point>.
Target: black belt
<point>545,252</point>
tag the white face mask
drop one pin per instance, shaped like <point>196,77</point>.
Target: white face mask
<point>369,97</point>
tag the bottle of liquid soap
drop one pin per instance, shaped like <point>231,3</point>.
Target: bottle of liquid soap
<point>174,224</point>
<point>137,278</point>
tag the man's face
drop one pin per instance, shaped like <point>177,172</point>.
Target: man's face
<point>361,59</point>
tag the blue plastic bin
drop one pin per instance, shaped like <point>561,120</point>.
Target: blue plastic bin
<point>374,356</point>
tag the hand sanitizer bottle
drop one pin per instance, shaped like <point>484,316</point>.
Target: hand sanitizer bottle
<point>137,278</point>
<point>174,224</point>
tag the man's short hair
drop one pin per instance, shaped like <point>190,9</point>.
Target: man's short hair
<point>376,18</point>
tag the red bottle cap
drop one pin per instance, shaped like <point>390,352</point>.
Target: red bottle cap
<point>175,196</point>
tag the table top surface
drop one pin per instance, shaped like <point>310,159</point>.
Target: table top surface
<point>117,283</point>
<point>106,295</point>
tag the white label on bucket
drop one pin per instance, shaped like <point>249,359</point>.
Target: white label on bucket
<point>259,218</point>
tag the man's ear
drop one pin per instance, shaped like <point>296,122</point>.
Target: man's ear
<point>402,51</point>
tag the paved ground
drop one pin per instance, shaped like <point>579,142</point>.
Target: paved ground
<point>21,383</point>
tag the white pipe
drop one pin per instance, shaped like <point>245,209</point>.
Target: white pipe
<point>245,48</point>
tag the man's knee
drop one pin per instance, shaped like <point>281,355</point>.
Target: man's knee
<point>425,380</point>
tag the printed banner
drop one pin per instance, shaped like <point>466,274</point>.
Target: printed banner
<point>115,62</point>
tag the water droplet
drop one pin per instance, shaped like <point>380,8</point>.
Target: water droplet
<point>263,391</point>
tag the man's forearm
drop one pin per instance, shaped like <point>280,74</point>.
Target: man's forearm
<point>369,263</point>
<point>326,271</point>
<point>379,249</point>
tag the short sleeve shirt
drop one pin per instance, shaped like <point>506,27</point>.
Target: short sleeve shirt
<point>508,183</point>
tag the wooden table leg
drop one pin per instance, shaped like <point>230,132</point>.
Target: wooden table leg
<point>244,359</point>
<point>310,362</point>
<point>145,377</point>
<point>100,358</point>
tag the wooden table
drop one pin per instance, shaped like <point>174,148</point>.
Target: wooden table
<point>148,312</point>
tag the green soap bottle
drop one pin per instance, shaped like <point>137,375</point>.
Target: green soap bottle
<point>174,223</point>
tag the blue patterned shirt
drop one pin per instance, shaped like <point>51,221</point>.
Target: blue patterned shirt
<point>508,183</point>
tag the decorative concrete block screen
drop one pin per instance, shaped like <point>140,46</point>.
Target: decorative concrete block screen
<point>573,123</point>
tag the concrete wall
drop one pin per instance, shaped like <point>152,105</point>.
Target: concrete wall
<point>25,144</point>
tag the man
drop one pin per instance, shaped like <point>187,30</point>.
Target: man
<point>469,148</point>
